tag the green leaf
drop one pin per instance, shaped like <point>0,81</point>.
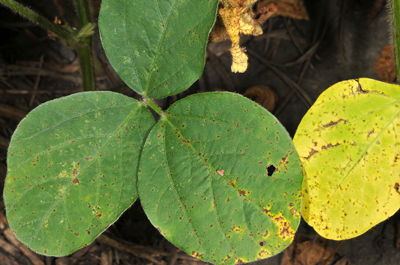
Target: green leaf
<point>157,47</point>
<point>72,169</point>
<point>349,146</point>
<point>220,178</point>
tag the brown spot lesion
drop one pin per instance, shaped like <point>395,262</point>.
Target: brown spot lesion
<point>197,254</point>
<point>221,172</point>
<point>360,89</point>
<point>312,152</point>
<point>242,192</point>
<point>370,132</point>
<point>284,226</point>
<point>263,254</point>
<point>397,187</point>
<point>75,181</point>
<point>232,183</point>
<point>333,123</point>
<point>329,146</point>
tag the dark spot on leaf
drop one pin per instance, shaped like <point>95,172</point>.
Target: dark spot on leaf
<point>360,89</point>
<point>329,146</point>
<point>242,192</point>
<point>270,170</point>
<point>311,153</point>
<point>396,187</point>
<point>75,181</point>
<point>261,243</point>
<point>232,183</point>
<point>370,132</point>
<point>75,171</point>
<point>332,123</point>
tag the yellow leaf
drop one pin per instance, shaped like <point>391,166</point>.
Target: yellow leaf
<point>349,146</point>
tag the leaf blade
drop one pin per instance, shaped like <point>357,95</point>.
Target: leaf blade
<point>157,47</point>
<point>72,167</point>
<point>216,197</point>
<point>345,142</point>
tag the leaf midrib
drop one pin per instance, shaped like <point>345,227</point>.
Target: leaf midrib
<point>158,49</point>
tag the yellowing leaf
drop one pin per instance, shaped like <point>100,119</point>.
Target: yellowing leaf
<point>349,145</point>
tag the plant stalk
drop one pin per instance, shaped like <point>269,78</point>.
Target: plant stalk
<point>28,13</point>
<point>85,47</point>
<point>149,102</point>
<point>395,12</point>
<point>86,62</point>
<point>82,7</point>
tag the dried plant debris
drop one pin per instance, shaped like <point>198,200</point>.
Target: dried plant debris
<point>385,66</point>
<point>239,17</point>
<point>305,250</point>
<point>263,95</point>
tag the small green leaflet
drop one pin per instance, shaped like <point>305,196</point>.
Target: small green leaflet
<point>72,169</point>
<point>219,177</point>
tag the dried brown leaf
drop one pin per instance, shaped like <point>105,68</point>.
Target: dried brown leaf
<point>287,8</point>
<point>263,95</point>
<point>307,251</point>
<point>385,66</point>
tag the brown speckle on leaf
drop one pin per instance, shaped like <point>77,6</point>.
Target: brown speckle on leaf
<point>332,123</point>
<point>242,192</point>
<point>312,152</point>
<point>329,146</point>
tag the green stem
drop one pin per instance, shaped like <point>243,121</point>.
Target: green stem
<point>149,102</point>
<point>85,47</point>
<point>86,62</point>
<point>395,11</point>
<point>82,6</point>
<point>24,11</point>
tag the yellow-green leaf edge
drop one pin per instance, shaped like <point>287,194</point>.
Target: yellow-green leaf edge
<point>348,143</point>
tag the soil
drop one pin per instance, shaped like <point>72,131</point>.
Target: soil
<point>297,59</point>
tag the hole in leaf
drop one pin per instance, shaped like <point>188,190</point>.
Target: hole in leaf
<point>270,170</point>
